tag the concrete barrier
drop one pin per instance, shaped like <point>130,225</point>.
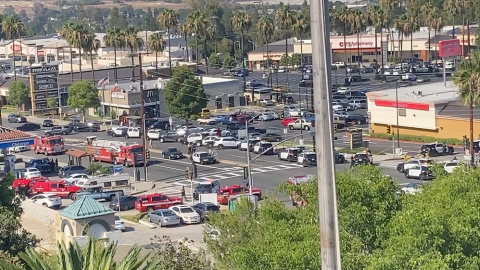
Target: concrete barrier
<point>39,212</point>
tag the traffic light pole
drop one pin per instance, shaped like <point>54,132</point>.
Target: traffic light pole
<point>249,167</point>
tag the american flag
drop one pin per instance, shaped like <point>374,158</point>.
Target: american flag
<point>115,88</point>
<point>104,81</point>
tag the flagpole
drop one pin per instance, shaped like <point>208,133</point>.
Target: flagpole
<point>103,95</point>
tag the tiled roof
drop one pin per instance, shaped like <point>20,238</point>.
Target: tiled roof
<point>85,207</point>
<point>8,134</point>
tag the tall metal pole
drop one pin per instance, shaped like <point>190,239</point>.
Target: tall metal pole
<point>249,168</point>
<point>327,198</point>
<point>144,118</point>
<point>396,105</point>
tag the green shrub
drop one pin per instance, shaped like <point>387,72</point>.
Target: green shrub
<point>413,138</point>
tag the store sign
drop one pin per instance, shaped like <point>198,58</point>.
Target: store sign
<point>118,95</point>
<point>44,85</point>
<point>16,143</point>
<point>449,48</point>
<point>353,43</point>
<point>402,105</point>
<point>16,48</point>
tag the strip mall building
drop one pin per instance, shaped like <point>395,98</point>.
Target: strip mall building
<point>423,110</point>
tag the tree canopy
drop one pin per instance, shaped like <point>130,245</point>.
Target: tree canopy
<point>82,95</point>
<point>17,93</point>
<point>185,94</point>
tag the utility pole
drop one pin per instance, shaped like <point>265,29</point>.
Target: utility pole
<point>249,167</point>
<point>144,118</point>
<point>327,199</point>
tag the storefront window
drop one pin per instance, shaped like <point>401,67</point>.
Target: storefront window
<point>41,59</point>
<point>50,58</point>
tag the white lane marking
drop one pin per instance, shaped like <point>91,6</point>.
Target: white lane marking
<point>167,167</point>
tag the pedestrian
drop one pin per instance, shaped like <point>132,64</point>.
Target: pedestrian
<point>219,132</point>
<point>166,127</point>
<point>183,193</point>
<point>52,165</point>
<point>230,119</point>
<point>189,149</point>
<point>150,143</point>
<point>56,164</point>
<point>245,182</point>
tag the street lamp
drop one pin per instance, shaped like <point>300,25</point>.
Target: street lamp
<point>396,105</point>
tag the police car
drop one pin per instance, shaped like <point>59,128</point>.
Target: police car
<point>308,158</point>
<point>420,172</point>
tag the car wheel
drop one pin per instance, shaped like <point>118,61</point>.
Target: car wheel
<point>307,127</point>
<point>150,209</point>
<point>220,146</point>
<point>115,161</point>
<point>126,136</point>
<point>164,156</point>
<point>160,223</point>
<point>181,220</point>
<point>291,127</point>
<point>149,220</point>
<point>359,122</point>
<point>64,133</point>
<point>125,207</point>
<point>44,204</point>
<point>170,157</point>
<point>162,140</point>
<point>114,135</point>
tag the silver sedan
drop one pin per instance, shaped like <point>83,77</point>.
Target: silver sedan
<point>164,217</point>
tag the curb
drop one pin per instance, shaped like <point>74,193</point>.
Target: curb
<point>404,141</point>
<point>141,191</point>
<point>147,224</point>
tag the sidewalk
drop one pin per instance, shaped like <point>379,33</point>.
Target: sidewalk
<point>38,228</point>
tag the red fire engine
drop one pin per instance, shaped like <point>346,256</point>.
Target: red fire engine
<point>224,194</point>
<point>156,201</point>
<point>59,188</point>
<point>49,145</point>
<point>114,152</point>
<point>23,185</point>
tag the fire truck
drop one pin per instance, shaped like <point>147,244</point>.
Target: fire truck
<point>23,185</point>
<point>49,145</point>
<point>58,187</point>
<point>114,152</point>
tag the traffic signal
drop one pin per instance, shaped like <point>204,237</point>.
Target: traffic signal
<point>282,114</point>
<point>335,127</point>
<point>147,153</point>
<point>194,170</point>
<point>187,173</point>
<point>245,172</point>
<point>389,129</point>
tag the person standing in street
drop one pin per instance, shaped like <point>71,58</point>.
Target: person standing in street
<point>183,193</point>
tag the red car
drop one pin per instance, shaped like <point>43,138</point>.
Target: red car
<point>288,120</point>
<point>223,194</point>
<point>156,201</point>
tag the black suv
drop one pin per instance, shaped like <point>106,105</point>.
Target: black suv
<point>436,149</point>
<point>60,130</point>
<point>47,123</point>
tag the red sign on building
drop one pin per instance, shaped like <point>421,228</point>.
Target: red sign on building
<point>402,105</point>
<point>449,48</point>
<point>16,48</point>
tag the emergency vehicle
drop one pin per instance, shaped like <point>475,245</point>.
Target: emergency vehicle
<point>297,199</point>
<point>49,145</point>
<point>224,194</point>
<point>58,187</point>
<point>23,185</point>
<point>156,201</point>
<point>114,152</point>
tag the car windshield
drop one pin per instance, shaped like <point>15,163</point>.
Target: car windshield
<point>186,210</point>
<point>203,155</point>
<point>138,150</point>
<point>311,156</point>
<point>172,150</point>
<point>203,186</point>
<point>213,208</point>
<point>56,141</point>
<point>451,164</point>
<point>168,213</point>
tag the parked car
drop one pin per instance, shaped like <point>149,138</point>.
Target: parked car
<point>205,186</point>
<point>97,193</point>
<point>267,102</point>
<point>124,203</point>
<point>419,172</point>
<point>437,149</point>
<point>133,132</point>
<point>449,166</point>
<point>59,130</point>
<point>226,142</point>
<point>261,147</point>
<point>71,169</point>
<point>266,117</point>
<point>206,209</point>
<point>203,158</point>
<point>32,172</point>
<point>164,217</point>
<point>401,167</point>
<point>162,125</point>
<point>412,188</point>
<point>47,123</point>
<point>300,124</point>
<point>271,137</point>
<point>119,224</point>
<point>74,178</point>
<point>307,158</point>
<point>16,118</point>
<point>251,143</point>
<point>288,120</point>
<point>28,127</point>
<point>172,153</point>
<point>290,154</point>
<point>117,131</point>
<point>47,200</point>
<point>187,214</point>
<point>358,104</point>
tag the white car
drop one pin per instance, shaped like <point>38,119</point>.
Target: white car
<point>154,134</point>
<point>74,178</point>
<point>412,188</point>
<point>32,172</point>
<point>358,104</point>
<point>307,158</point>
<point>187,214</point>
<point>449,166</point>
<point>402,167</point>
<point>133,132</point>
<point>209,121</point>
<point>343,90</point>
<point>203,158</point>
<point>266,117</point>
<point>196,138</point>
<point>209,140</point>
<point>419,172</point>
<point>267,102</point>
<point>409,77</point>
<point>296,112</point>
<point>47,200</point>
<point>118,131</point>
<point>226,142</point>
<point>119,224</point>
<point>17,149</point>
<point>183,130</point>
<point>223,132</point>
<point>338,107</point>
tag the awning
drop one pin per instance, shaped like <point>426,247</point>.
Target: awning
<point>76,153</point>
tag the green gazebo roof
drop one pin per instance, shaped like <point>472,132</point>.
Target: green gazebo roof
<point>85,207</point>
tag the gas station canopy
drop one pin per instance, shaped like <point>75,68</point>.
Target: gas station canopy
<point>15,138</point>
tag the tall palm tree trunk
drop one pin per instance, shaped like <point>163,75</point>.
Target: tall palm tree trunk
<point>345,46</point>
<point>411,48</point>
<point>468,36</point>
<point>286,57</point>
<point>186,48</point>
<point>358,50</point>
<point>381,49</point>
<point>301,52</point>
<point>268,68</point>
<point>14,72</point>
<point>196,53</point>
<point>93,70</point>
<point>243,55</point>
<point>115,63</point>
<point>205,54</point>
<point>169,52</point>
<point>470,111</point>
<point>436,47</point>
<point>133,64</point>
<point>376,47</point>
<point>71,62</point>
<point>463,36</point>
<point>453,28</point>
<point>156,60</point>
<point>80,63</point>
<point>429,46</point>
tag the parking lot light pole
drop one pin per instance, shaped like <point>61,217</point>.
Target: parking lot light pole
<point>249,167</point>
<point>396,105</point>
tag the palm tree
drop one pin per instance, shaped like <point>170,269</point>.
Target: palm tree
<point>66,33</point>
<point>78,38</point>
<point>373,17</point>
<point>437,23</point>
<point>185,32</point>
<point>92,45</point>
<point>411,26</point>
<point>357,23</point>
<point>208,34</point>
<point>12,27</point>
<point>133,42</point>
<point>113,38</point>
<point>344,16</point>
<point>398,24</point>
<point>301,28</point>
<point>427,11</point>
<point>156,43</point>
<point>93,256</point>
<point>197,24</point>
<point>467,79</point>
<point>168,19</point>
<point>242,22</point>
<point>285,18</point>
<point>453,7</point>
<point>266,28</point>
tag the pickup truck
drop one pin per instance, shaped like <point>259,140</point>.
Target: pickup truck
<point>300,124</point>
<point>97,193</point>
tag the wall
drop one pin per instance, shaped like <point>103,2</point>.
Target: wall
<point>38,212</point>
<point>416,119</point>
